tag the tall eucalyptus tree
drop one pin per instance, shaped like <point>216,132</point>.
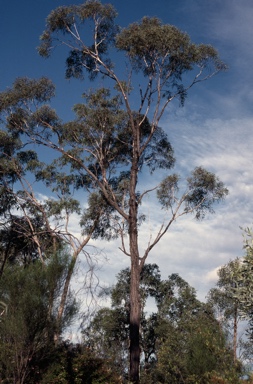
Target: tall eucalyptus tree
<point>116,134</point>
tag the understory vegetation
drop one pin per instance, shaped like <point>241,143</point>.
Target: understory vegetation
<point>182,341</point>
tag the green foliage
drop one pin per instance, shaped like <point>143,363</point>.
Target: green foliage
<point>205,189</point>
<point>63,20</point>
<point>231,301</point>
<point>155,49</point>
<point>29,90</point>
<point>243,282</point>
<point>167,191</point>
<point>149,286</point>
<point>28,324</point>
<point>104,130</point>
<point>181,342</point>
<point>78,365</point>
<point>16,243</point>
<point>108,332</point>
<point>98,218</point>
<point>107,335</point>
<point>223,297</point>
<point>162,50</point>
<point>191,347</point>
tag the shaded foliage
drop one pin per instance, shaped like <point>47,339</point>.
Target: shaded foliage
<point>77,364</point>
<point>28,323</point>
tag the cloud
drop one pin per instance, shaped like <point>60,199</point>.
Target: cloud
<point>212,276</point>
<point>231,22</point>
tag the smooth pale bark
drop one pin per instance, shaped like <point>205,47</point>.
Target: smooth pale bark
<point>64,296</point>
<point>67,282</point>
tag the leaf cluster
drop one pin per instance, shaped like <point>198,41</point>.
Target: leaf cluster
<point>66,20</point>
<point>204,189</point>
<point>28,90</point>
<point>153,46</point>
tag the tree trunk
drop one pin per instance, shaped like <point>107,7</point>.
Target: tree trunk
<point>64,299</point>
<point>235,335</point>
<point>134,320</point>
<point>135,305</point>
<point>67,282</point>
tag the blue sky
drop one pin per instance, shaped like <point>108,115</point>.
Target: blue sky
<point>214,129</point>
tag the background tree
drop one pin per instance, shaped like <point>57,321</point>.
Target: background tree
<point>242,293</point>
<point>195,352</point>
<point>33,226</point>
<point>181,341</point>
<point>108,332</point>
<point>228,308</point>
<point>116,135</point>
<point>232,300</point>
<point>25,230</point>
